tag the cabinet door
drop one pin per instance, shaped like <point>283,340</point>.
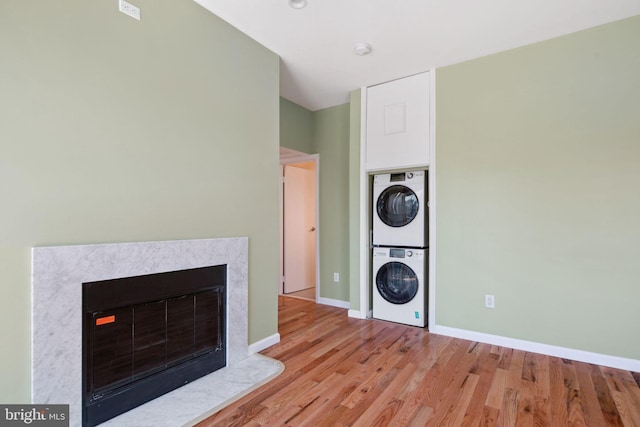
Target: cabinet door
<point>398,124</point>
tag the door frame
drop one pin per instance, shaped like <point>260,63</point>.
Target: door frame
<point>315,158</point>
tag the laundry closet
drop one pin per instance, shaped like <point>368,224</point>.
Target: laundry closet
<point>397,154</point>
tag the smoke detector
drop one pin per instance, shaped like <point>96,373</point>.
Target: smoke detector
<point>362,49</point>
<point>298,4</point>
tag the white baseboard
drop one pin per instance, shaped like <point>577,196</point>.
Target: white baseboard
<point>356,314</point>
<point>534,347</point>
<point>264,343</point>
<point>333,302</point>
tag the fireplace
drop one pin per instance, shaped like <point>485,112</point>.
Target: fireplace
<point>144,336</point>
<point>58,274</point>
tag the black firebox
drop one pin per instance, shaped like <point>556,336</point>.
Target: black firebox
<point>144,336</point>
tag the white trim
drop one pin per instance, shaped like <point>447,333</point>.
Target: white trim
<point>299,159</point>
<point>264,343</point>
<point>431,315</point>
<point>281,228</point>
<point>357,314</point>
<point>316,158</point>
<point>365,243</point>
<point>534,347</point>
<point>333,302</point>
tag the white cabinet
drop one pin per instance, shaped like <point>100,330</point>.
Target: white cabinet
<point>397,129</point>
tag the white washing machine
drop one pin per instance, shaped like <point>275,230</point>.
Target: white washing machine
<point>400,209</point>
<point>400,287</point>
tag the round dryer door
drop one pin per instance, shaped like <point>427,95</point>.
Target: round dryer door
<point>397,283</point>
<point>397,206</point>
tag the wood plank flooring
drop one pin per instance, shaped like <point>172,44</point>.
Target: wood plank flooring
<point>309,293</point>
<point>350,372</point>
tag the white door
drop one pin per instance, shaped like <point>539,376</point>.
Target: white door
<point>299,213</point>
<point>397,132</point>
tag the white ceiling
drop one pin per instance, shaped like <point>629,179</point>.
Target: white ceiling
<point>319,68</point>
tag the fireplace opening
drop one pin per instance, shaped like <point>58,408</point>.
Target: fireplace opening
<point>144,336</point>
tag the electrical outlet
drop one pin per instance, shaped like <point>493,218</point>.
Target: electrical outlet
<point>129,9</point>
<point>489,301</point>
<point>336,277</point>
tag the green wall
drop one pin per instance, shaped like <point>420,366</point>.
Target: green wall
<point>538,154</point>
<point>296,127</point>
<point>329,135</point>
<point>331,139</point>
<point>117,130</point>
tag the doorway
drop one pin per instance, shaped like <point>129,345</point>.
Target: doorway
<point>299,226</point>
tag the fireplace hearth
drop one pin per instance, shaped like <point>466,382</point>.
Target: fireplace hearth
<point>144,336</point>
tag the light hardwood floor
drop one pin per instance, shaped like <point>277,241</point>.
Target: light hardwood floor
<point>350,372</point>
<point>309,293</point>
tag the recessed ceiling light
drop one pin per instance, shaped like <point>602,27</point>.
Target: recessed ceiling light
<point>298,4</point>
<point>362,49</point>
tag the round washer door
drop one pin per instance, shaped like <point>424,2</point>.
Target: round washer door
<point>397,283</point>
<point>397,206</point>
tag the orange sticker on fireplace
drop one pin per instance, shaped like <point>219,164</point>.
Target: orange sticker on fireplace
<point>105,320</point>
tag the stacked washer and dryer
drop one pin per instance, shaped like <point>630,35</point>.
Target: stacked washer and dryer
<point>400,247</point>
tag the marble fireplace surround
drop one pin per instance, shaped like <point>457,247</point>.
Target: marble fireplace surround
<point>56,356</point>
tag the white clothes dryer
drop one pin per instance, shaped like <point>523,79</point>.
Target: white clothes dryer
<point>400,209</point>
<point>400,289</point>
